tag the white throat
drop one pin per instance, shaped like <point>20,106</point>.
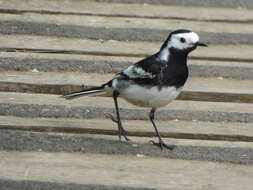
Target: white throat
<point>164,54</point>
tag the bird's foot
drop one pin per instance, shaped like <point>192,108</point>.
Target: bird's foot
<point>121,130</point>
<point>162,145</point>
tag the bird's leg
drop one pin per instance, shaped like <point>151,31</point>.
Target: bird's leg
<point>121,130</point>
<point>161,144</point>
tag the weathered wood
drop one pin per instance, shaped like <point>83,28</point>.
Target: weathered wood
<point>79,44</point>
<point>65,89</point>
<point>60,89</point>
<point>115,48</point>
<point>41,105</point>
<point>183,135</point>
<point>216,97</point>
<point>131,10</point>
<point>16,61</point>
<point>125,23</point>
<point>232,128</point>
<point>58,124</point>
<point>207,84</point>
<point>121,171</point>
<point>120,34</point>
<point>105,144</point>
<point>26,184</point>
<point>206,89</point>
<point>206,3</point>
<point>169,129</point>
<point>196,89</point>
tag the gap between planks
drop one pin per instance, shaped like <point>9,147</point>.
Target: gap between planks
<point>122,22</point>
<point>115,54</point>
<point>105,33</point>
<point>66,89</point>
<point>247,4</point>
<point>43,62</point>
<point>197,89</point>
<point>42,105</point>
<point>41,99</point>
<point>27,43</point>
<point>119,59</point>
<point>221,131</point>
<point>204,84</point>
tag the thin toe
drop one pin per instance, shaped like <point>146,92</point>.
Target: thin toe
<point>162,145</point>
<point>126,138</point>
<point>170,147</point>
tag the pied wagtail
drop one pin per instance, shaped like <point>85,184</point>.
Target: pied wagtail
<point>152,82</point>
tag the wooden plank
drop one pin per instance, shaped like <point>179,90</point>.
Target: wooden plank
<point>206,3</point>
<point>116,48</point>
<point>131,10</point>
<point>128,23</point>
<point>22,98</point>
<point>26,184</point>
<point>106,33</point>
<point>72,126</point>
<point>121,171</point>
<point>68,125</point>
<point>169,129</point>
<point>41,105</point>
<point>118,59</point>
<point>105,144</point>
<point>198,89</point>
<point>215,97</point>
<point>63,89</point>
<point>17,61</point>
<point>208,84</point>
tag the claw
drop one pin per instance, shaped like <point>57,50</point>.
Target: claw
<point>162,145</point>
<point>121,130</point>
<point>126,138</point>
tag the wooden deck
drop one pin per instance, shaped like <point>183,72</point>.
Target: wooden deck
<point>53,47</point>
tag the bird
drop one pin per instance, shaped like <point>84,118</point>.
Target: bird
<point>152,82</point>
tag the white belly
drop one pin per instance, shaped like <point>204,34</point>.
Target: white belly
<point>149,97</point>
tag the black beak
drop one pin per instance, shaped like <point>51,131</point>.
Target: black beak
<point>199,43</point>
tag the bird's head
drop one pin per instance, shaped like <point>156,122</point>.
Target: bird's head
<point>183,41</point>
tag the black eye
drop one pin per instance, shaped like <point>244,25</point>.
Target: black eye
<point>182,40</point>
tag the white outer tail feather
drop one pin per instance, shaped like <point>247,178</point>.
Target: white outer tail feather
<point>94,91</point>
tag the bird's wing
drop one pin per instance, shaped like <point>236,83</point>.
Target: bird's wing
<point>147,68</point>
<point>146,71</point>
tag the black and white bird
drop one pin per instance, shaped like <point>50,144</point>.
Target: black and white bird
<point>152,82</point>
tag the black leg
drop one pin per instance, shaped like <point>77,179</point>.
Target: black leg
<point>121,130</point>
<point>161,144</point>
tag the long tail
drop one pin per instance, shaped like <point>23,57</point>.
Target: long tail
<point>94,91</point>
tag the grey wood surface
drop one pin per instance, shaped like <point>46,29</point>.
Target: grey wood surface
<point>53,47</point>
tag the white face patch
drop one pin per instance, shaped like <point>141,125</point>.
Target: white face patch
<point>183,40</point>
